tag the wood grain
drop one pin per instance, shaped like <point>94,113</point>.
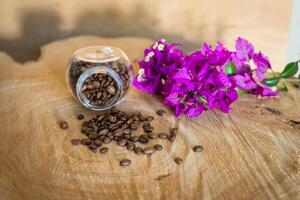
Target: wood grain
<point>252,153</point>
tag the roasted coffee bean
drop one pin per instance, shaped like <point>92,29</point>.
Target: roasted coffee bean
<point>127,131</point>
<point>103,132</point>
<point>163,135</point>
<point>130,146</point>
<point>86,141</point>
<point>107,140</point>
<point>135,138</point>
<point>130,121</point>
<point>138,150</point>
<point>118,132</point>
<point>93,147</point>
<point>125,126</point>
<point>111,89</point>
<point>75,141</point>
<point>171,138</point>
<point>178,161</point>
<point>148,129</point>
<point>122,142</point>
<point>158,147</point>
<point>112,118</point>
<point>149,150</point>
<point>142,118</point>
<point>125,162</point>
<point>160,112</point>
<point>93,136</point>
<point>174,130</point>
<point>143,139</point>
<point>149,118</point>
<point>97,143</point>
<point>198,148</point>
<point>151,135</point>
<point>127,136</point>
<point>103,150</point>
<point>63,124</point>
<point>80,116</point>
<point>134,125</point>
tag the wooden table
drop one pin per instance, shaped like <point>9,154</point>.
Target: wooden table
<point>251,153</point>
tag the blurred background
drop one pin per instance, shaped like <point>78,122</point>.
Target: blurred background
<point>29,24</point>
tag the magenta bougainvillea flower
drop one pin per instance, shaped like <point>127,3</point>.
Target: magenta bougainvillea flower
<point>193,83</point>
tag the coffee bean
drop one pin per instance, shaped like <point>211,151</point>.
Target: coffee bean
<point>63,124</point>
<point>103,150</point>
<point>160,112</point>
<point>93,147</point>
<point>127,131</point>
<point>149,150</point>
<point>149,118</point>
<point>86,141</point>
<point>80,116</point>
<point>151,135</point>
<point>171,138</point>
<point>198,148</point>
<point>148,129</point>
<point>127,136</point>
<point>130,146</point>
<point>143,139</point>
<point>158,147</point>
<point>107,140</point>
<point>137,113</point>
<point>111,89</point>
<point>135,138</point>
<point>134,125</point>
<point>125,162</point>
<point>174,130</point>
<point>138,150</point>
<point>112,119</point>
<point>97,143</point>
<point>118,132</point>
<point>122,142</point>
<point>178,161</point>
<point>163,135</point>
<point>103,132</point>
<point>75,141</point>
<point>93,136</point>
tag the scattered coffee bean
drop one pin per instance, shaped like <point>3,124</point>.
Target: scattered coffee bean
<point>63,124</point>
<point>93,147</point>
<point>178,161</point>
<point>130,146</point>
<point>93,136</point>
<point>125,162</point>
<point>171,138</point>
<point>158,147</point>
<point>198,148</point>
<point>160,112</point>
<point>163,135</point>
<point>149,118</point>
<point>174,131</point>
<point>135,138</point>
<point>122,142</point>
<point>151,135</point>
<point>97,143</point>
<point>149,150</point>
<point>107,140</point>
<point>75,141</point>
<point>86,141</point>
<point>143,139</point>
<point>80,116</point>
<point>138,150</point>
<point>103,150</point>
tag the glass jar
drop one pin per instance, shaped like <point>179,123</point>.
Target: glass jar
<point>99,76</point>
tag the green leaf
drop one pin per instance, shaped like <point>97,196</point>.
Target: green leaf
<point>289,70</point>
<point>239,91</point>
<point>230,69</point>
<point>271,81</point>
<point>202,99</point>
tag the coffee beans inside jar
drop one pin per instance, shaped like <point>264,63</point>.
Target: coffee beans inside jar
<point>99,77</point>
